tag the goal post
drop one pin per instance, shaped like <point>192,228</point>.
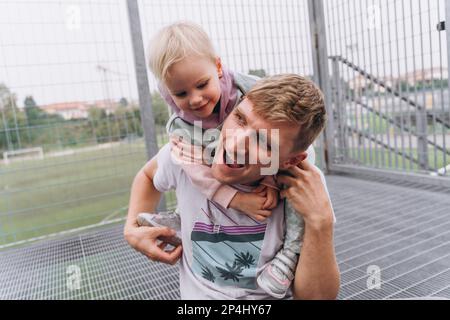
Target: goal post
<point>23,154</point>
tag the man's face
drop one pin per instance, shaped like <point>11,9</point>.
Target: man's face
<point>237,135</point>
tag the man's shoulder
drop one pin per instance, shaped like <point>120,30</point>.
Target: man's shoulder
<point>245,81</point>
<point>166,161</point>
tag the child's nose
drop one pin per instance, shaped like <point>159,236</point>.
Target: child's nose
<point>196,100</point>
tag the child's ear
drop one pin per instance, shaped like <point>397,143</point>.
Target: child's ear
<point>294,161</point>
<point>219,67</point>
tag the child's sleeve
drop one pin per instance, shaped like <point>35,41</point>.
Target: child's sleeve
<point>271,182</point>
<point>201,176</point>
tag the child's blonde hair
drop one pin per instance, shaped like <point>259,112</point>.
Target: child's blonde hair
<point>294,99</point>
<point>174,43</point>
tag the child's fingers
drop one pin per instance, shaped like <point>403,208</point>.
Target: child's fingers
<point>269,201</point>
<point>264,213</point>
<point>259,189</point>
<point>262,194</point>
<point>260,218</point>
<point>190,152</point>
<point>185,155</point>
<point>162,245</point>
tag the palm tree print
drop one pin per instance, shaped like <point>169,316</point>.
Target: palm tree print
<point>245,260</point>
<point>232,272</point>
<point>208,275</point>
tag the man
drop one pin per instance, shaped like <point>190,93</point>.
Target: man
<point>222,250</point>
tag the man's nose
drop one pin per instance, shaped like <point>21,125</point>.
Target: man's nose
<point>240,143</point>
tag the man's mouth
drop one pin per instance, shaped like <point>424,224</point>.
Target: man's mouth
<point>230,162</point>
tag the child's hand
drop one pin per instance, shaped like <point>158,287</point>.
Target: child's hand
<point>185,152</point>
<point>272,197</point>
<point>252,204</point>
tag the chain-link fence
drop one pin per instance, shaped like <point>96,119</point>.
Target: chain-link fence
<point>71,138</point>
<point>74,87</point>
<point>70,131</point>
<point>389,68</point>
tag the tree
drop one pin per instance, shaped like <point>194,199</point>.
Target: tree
<point>34,114</point>
<point>160,111</point>
<point>99,124</point>
<point>123,102</point>
<point>12,119</point>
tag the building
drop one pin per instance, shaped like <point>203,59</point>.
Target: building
<point>360,83</point>
<point>79,109</point>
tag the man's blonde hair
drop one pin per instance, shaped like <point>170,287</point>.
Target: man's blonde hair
<point>290,98</point>
<point>174,43</point>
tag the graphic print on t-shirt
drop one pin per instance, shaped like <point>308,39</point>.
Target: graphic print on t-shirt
<point>226,253</point>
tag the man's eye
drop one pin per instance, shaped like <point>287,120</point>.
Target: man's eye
<point>239,119</point>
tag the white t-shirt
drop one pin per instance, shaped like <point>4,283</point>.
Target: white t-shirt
<point>223,250</point>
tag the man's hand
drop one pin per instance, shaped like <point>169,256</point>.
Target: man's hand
<point>252,204</point>
<point>145,240</point>
<point>307,195</point>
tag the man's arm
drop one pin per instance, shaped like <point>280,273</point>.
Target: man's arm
<point>145,198</point>
<point>317,275</point>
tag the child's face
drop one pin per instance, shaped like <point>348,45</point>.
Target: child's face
<point>194,86</point>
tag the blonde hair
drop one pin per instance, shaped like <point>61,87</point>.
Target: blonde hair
<point>293,99</point>
<point>174,43</point>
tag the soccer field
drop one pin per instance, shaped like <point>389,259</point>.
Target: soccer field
<point>40,197</point>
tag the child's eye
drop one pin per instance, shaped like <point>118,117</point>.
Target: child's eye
<point>203,85</point>
<point>181,94</point>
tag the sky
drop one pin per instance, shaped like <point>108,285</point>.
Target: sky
<point>51,49</point>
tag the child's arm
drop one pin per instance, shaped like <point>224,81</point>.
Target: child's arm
<point>252,204</point>
<point>228,197</point>
<point>273,192</point>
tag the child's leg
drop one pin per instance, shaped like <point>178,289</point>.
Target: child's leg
<point>294,229</point>
<point>170,219</point>
<point>277,277</point>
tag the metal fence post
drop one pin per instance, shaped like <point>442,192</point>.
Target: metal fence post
<point>422,137</point>
<point>145,98</point>
<point>339,104</point>
<point>447,31</point>
<point>321,72</point>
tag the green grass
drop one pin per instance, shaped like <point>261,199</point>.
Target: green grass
<point>383,158</point>
<point>40,197</point>
<point>46,196</point>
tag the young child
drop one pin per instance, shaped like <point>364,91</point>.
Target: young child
<point>194,83</point>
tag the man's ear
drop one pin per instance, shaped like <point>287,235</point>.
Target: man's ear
<point>294,161</point>
<point>219,67</point>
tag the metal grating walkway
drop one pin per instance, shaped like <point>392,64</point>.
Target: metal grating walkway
<point>403,230</point>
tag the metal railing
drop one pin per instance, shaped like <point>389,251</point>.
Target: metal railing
<point>346,101</point>
<point>389,88</point>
